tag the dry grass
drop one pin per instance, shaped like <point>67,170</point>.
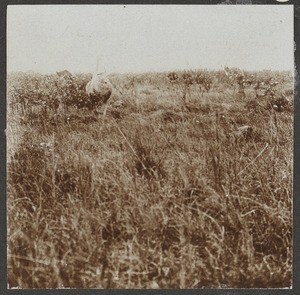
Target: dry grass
<point>164,192</point>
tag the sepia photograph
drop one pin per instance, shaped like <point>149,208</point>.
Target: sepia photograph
<point>150,146</point>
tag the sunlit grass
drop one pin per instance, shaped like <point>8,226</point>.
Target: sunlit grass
<point>161,193</point>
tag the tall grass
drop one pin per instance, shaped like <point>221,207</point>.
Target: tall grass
<point>159,194</point>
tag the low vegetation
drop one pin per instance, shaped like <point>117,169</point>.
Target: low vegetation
<point>186,183</point>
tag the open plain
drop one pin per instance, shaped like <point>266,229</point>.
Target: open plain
<point>185,183</point>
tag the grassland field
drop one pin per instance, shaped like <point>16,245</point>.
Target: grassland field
<point>182,184</point>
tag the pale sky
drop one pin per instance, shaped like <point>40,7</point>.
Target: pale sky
<point>140,38</point>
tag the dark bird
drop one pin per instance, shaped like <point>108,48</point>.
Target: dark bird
<point>64,74</point>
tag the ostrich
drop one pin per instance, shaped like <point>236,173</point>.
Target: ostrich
<point>99,89</point>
